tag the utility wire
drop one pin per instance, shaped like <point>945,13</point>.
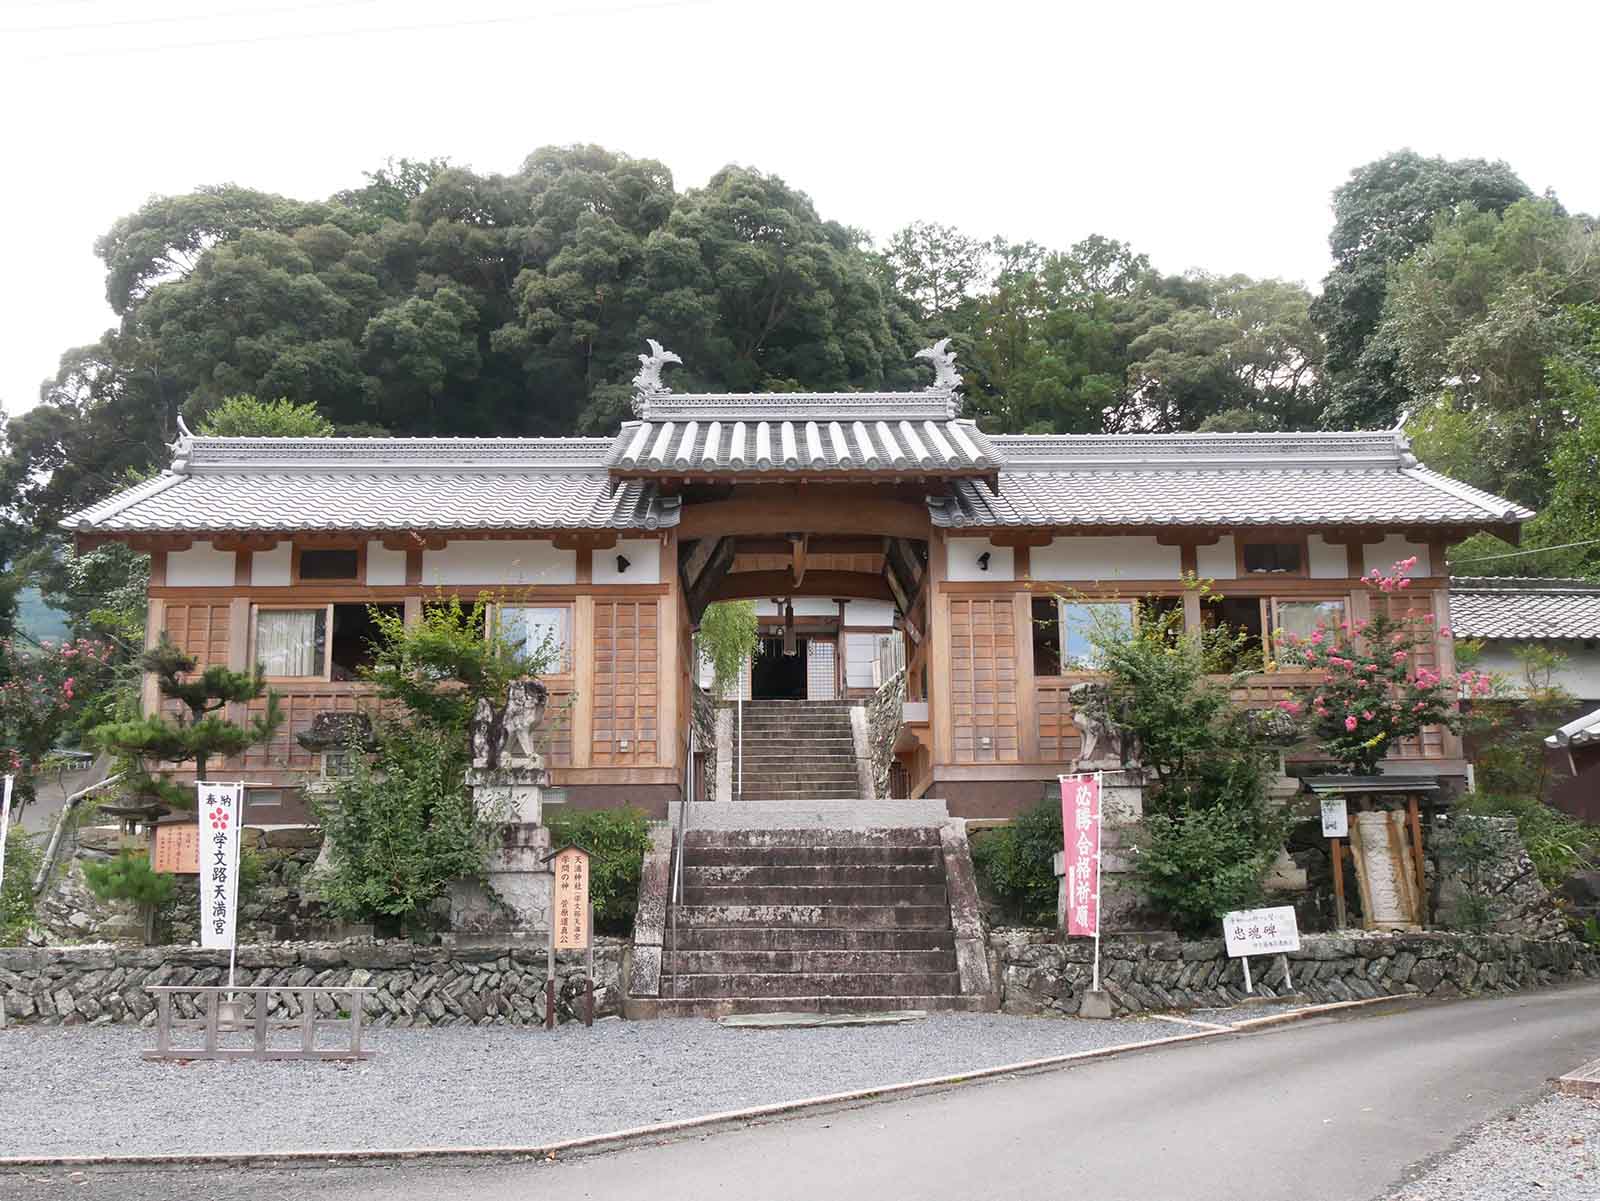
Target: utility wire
<point>177,18</point>
<point>1516,554</point>
<point>370,30</point>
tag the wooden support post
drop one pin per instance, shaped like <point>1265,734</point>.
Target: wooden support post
<point>211,1021</point>
<point>1414,816</point>
<point>261,1023</point>
<point>550,981</point>
<point>1339,914</point>
<point>308,1022</point>
<point>163,1023</point>
<point>357,1005</point>
<point>588,975</point>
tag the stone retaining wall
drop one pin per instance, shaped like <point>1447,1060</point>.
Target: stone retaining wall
<point>1039,973</point>
<point>417,985</point>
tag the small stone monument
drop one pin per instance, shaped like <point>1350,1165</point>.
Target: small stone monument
<point>508,779</point>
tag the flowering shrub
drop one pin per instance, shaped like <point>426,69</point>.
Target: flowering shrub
<point>1373,690</point>
<point>43,693</point>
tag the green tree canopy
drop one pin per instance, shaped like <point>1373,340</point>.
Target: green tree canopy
<point>243,416</point>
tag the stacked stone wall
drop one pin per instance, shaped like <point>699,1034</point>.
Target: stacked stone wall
<point>500,985</point>
<point>1039,972</point>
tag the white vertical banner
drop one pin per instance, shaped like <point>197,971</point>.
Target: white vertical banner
<point>5,828</point>
<point>221,814</point>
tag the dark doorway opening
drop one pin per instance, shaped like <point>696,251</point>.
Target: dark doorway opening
<point>775,676</point>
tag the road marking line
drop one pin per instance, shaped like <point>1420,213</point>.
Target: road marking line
<point>1169,1017</point>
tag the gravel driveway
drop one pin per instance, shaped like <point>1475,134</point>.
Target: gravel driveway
<point>87,1092</point>
<point>1550,1149</point>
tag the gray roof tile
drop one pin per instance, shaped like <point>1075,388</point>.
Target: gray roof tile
<point>1521,608</point>
<point>742,446</point>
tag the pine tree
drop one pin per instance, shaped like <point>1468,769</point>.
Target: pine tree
<point>198,735</point>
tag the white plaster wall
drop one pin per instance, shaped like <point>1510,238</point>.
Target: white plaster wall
<point>1580,676</point>
<point>500,562</point>
<point>201,566</point>
<point>1126,558</point>
<point>385,567</point>
<point>869,613</point>
<point>1219,561</point>
<point>644,562</point>
<point>804,606</point>
<point>1384,555</point>
<point>270,568</point>
<point>1328,561</point>
<point>963,560</point>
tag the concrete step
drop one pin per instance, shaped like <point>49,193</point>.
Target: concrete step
<point>710,963</point>
<point>709,857</point>
<point>842,917</point>
<point>769,875</point>
<point>811,939</point>
<point>798,795</point>
<point>716,1007</point>
<point>745,985</point>
<point>833,894</point>
<point>804,836</point>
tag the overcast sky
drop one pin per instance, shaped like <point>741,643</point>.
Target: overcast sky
<point>1207,134</point>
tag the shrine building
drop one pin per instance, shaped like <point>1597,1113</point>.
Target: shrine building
<point>877,532</point>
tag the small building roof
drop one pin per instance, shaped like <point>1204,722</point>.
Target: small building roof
<point>1581,731</point>
<point>1522,608</point>
<point>381,484</point>
<point>1218,480</point>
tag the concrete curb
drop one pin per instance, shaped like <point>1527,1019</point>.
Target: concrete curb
<point>616,1139</point>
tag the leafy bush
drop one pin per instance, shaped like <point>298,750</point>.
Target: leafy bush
<point>1198,862</point>
<point>616,840</point>
<point>16,897</point>
<point>401,826</point>
<point>728,637</point>
<point>1014,863</point>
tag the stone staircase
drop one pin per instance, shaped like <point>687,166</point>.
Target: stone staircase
<point>821,920</point>
<point>799,751</point>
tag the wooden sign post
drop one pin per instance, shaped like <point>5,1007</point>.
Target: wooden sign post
<point>1335,826</point>
<point>571,926</point>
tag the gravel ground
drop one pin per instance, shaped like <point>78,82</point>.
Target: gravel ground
<point>87,1091</point>
<point>1550,1149</point>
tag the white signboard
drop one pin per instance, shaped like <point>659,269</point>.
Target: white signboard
<point>221,813</point>
<point>5,828</point>
<point>1335,817</point>
<point>1261,931</point>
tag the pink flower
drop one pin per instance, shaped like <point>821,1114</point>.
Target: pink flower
<point>1399,657</point>
<point>1350,722</point>
<point>1444,631</point>
<point>1366,714</point>
<point>1290,707</point>
<point>1316,638</point>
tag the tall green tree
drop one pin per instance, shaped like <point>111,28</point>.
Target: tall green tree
<point>1383,213</point>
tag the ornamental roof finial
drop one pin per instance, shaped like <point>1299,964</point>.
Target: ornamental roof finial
<point>647,382</point>
<point>945,376</point>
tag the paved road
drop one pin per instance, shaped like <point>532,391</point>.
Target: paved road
<point>1334,1110</point>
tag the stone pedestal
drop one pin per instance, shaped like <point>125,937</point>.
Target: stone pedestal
<point>513,899</point>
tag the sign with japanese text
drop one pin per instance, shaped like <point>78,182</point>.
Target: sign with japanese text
<point>221,811</point>
<point>176,848</point>
<point>5,829</point>
<point>1335,817</point>
<point>1261,931</point>
<point>569,922</point>
<point>1080,826</point>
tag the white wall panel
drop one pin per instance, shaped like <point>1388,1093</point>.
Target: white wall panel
<point>1219,561</point>
<point>1384,555</point>
<point>804,606</point>
<point>1328,561</point>
<point>1125,558</point>
<point>385,567</point>
<point>644,562</point>
<point>499,562</point>
<point>270,568</point>
<point>869,613</point>
<point>964,554</point>
<point>201,566</point>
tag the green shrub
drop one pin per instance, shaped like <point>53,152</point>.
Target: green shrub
<point>1014,863</point>
<point>1558,843</point>
<point>16,897</point>
<point>616,840</point>
<point>1198,862</point>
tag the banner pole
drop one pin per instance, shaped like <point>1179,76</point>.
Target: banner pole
<point>1099,868</point>
<point>5,830</point>
<point>233,901</point>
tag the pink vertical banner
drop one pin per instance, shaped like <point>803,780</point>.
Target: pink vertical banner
<point>1080,826</point>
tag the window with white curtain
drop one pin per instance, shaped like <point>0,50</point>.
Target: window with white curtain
<point>292,643</point>
<point>530,627</point>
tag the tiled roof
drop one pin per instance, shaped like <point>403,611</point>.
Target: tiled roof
<point>935,404</point>
<point>382,484</point>
<point>741,446</point>
<point>1522,608</point>
<point>1263,496</point>
<point>1580,732</point>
